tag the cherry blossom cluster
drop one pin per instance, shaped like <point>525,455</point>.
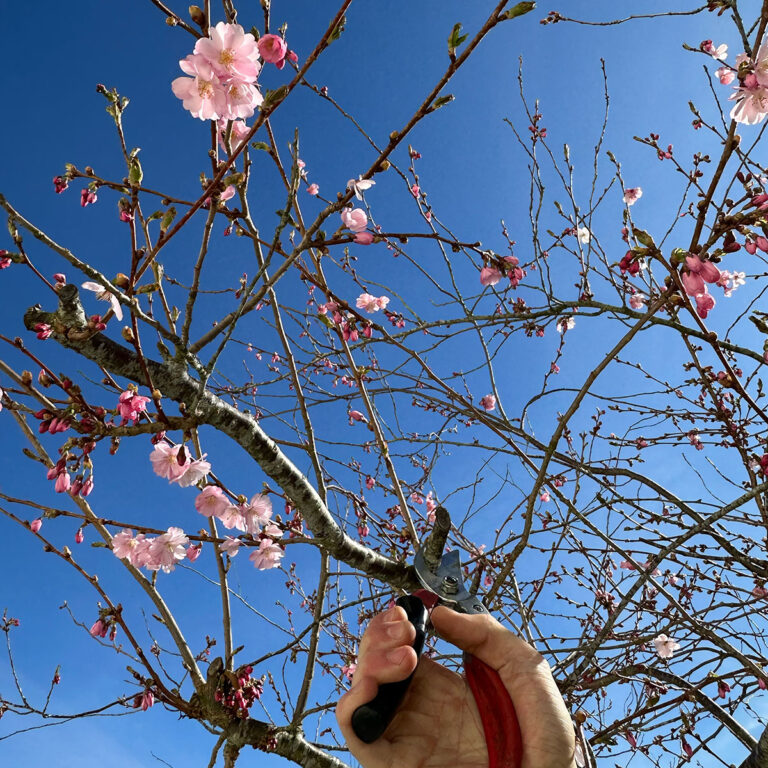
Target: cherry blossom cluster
<point>155,554</point>
<point>695,276</point>
<point>222,72</point>
<point>497,268</point>
<point>750,95</point>
<point>253,517</point>
<point>130,406</point>
<point>348,322</point>
<point>240,696</point>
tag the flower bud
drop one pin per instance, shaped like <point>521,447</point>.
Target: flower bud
<point>197,15</point>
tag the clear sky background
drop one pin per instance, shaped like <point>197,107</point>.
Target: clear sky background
<point>380,70</point>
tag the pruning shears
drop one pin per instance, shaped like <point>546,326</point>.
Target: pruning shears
<point>441,578</point>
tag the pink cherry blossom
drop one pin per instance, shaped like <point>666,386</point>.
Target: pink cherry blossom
<point>5,261</point>
<point>272,48</point>
<point>194,472</point>
<point>751,101</point>
<point>632,195</point>
<point>665,646</point>
<point>720,52</point>
<point>230,546</point>
<point>370,483</point>
<point>705,302</point>
<point>165,461</point>
<point>130,405</point>
<point>257,513</point>
<point>364,238</point>
<point>123,544</point>
<point>234,516</point>
<point>759,592</point>
<point>211,501</point>
<point>87,197</point>
<point>565,324</point>
<point>228,193</point>
<point>167,549</point>
<point>267,556</point>
<point>36,525</point>
<point>230,51</point>
<point>273,530</point>
<point>356,416</point>
<point>202,94</point>
<point>371,303</point>
<point>313,189</point>
<point>730,281</point>
<point>239,131</point>
<point>488,402</point>
<point>241,99</point>
<point>60,183</point>
<point>544,497</point>
<point>358,186</point>
<point>489,276</point>
<point>354,218</point>
<point>193,552</point>
<point>348,670</point>
<point>43,330</point>
<point>725,75</point>
<point>104,295</point>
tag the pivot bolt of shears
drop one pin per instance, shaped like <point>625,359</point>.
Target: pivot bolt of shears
<point>450,585</point>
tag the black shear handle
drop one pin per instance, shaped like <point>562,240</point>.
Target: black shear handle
<point>370,720</point>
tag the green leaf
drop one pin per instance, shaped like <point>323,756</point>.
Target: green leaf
<point>338,29</point>
<point>519,10</point>
<point>168,218</point>
<point>442,101</point>
<point>261,145</point>
<point>644,238</point>
<point>271,98</point>
<point>135,174</point>
<point>325,321</point>
<point>455,39</point>
<point>156,215</point>
<point>760,324</point>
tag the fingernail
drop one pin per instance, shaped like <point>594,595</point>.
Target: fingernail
<point>397,656</point>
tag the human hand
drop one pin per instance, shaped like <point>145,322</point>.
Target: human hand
<point>438,724</point>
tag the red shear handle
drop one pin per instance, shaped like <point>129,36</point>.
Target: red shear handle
<point>502,731</point>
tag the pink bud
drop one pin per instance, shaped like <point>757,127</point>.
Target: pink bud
<point>97,628</point>
<point>79,536</point>
<point>364,238</point>
<point>272,48</point>
<point>36,525</point>
<point>87,487</point>
<point>62,483</point>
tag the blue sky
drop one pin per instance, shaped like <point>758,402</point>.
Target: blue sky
<point>472,169</point>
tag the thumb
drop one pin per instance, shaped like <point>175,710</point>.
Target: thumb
<point>483,637</point>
